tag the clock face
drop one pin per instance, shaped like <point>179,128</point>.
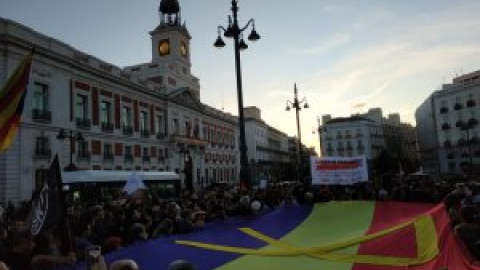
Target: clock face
<point>164,47</point>
<point>183,49</point>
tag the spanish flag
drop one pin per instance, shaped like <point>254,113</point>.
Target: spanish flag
<point>12,98</point>
<point>357,235</point>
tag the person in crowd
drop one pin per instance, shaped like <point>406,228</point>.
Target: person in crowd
<point>469,229</point>
<point>19,256</point>
<point>123,265</point>
<point>3,266</point>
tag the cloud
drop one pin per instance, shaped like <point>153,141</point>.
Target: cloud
<point>333,43</point>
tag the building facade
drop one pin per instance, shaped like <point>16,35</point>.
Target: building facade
<point>140,118</point>
<point>368,134</point>
<point>267,147</point>
<point>451,114</point>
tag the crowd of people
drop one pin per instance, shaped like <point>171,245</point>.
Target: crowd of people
<point>123,221</point>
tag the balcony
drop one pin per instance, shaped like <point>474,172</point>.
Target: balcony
<point>83,156</point>
<point>460,124</point>
<point>340,149</point>
<point>465,155</point>
<point>458,106</point>
<point>160,136</point>
<point>349,148</point>
<point>83,123</point>
<point>450,156</point>
<point>359,135</point>
<point>472,122</point>
<point>471,103</point>
<point>145,133</point>
<point>443,110</point>
<point>360,147</point>
<point>474,140</point>
<point>161,159</point>
<point>41,116</point>
<point>445,126</point>
<point>462,142</point>
<point>127,130</point>
<point>107,127</point>
<point>348,136</point>
<point>42,153</point>
<point>146,159</point>
<point>108,157</point>
<point>339,136</point>
<point>128,158</point>
<point>447,144</point>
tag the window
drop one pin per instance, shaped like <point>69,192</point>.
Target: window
<point>105,112</point>
<point>107,151</point>
<point>40,97</point>
<point>82,107</point>
<point>83,149</point>
<point>143,121</point>
<point>175,127</point>
<point>205,133</point>
<point>126,117</point>
<point>158,124</point>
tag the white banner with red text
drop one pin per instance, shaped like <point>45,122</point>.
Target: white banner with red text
<point>338,170</point>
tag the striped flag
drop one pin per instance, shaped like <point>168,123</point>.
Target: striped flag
<point>12,98</point>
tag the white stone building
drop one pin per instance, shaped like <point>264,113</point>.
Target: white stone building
<point>267,147</point>
<point>367,134</point>
<point>143,117</point>
<point>450,137</point>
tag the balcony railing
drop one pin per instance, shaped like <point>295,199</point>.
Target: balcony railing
<point>471,103</point>
<point>107,127</point>
<point>41,153</point>
<point>146,158</point>
<point>83,155</point>
<point>145,133</point>
<point>83,123</point>
<point>460,124</point>
<point>160,136</point>
<point>359,135</point>
<point>443,110</point>
<point>447,143</point>
<point>450,156</point>
<point>458,106</point>
<point>445,126</point>
<point>472,122</point>
<point>127,130</point>
<point>128,158</point>
<point>41,116</point>
<point>108,157</point>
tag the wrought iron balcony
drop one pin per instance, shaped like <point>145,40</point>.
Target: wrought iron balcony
<point>145,133</point>
<point>128,158</point>
<point>108,157</point>
<point>41,116</point>
<point>42,153</point>
<point>458,106</point>
<point>107,127</point>
<point>127,130</point>
<point>443,110</point>
<point>471,103</point>
<point>446,126</point>
<point>83,123</point>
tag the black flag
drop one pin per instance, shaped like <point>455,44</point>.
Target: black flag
<point>49,212</point>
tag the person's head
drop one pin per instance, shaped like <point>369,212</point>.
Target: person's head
<point>124,265</point>
<point>181,265</point>
<point>139,232</point>
<point>21,242</point>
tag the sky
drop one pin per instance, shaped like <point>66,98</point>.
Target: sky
<point>345,55</point>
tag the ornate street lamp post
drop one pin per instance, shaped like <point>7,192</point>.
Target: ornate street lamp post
<point>234,31</point>
<point>73,137</point>
<point>298,106</point>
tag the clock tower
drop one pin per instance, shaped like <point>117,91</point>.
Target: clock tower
<point>171,39</point>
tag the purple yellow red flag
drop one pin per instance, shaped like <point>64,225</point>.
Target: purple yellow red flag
<point>12,98</point>
<point>356,235</point>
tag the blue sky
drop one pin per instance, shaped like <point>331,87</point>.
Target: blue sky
<point>381,53</point>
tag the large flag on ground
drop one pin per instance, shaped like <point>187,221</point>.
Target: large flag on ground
<point>12,97</point>
<point>330,236</point>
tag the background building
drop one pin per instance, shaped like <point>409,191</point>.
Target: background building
<point>143,117</point>
<point>369,134</point>
<point>267,147</point>
<point>451,116</point>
